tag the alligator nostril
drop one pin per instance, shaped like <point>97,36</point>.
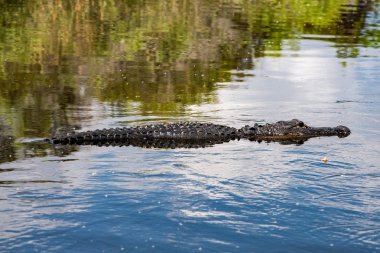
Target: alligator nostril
<point>301,124</point>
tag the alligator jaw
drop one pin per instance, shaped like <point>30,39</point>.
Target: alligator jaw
<point>309,132</point>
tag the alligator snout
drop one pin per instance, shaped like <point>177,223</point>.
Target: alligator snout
<point>342,131</point>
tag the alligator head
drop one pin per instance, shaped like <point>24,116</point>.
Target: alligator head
<point>292,129</point>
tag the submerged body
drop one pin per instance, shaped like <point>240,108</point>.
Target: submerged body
<point>199,134</point>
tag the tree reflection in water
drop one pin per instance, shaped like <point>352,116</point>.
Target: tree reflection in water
<point>156,58</point>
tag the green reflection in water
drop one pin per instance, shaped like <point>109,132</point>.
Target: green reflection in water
<point>149,57</point>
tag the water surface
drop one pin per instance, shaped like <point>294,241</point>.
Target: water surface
<point>96,64</point>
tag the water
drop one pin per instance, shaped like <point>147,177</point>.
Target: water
<point>106,64</point>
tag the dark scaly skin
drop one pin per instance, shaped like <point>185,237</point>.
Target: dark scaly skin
<point>292,129</point>
<point>186,131</point>
<point>193,134</point>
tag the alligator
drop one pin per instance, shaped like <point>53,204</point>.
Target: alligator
<point>195,134</point>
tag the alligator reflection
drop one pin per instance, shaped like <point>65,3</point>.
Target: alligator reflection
<point>174,144</point>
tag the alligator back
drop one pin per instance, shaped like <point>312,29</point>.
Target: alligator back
<point>186,131</point>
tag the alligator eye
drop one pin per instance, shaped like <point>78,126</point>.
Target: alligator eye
<point>301,124</point>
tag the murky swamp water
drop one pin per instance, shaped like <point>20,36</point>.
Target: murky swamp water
<point>100,64</point>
